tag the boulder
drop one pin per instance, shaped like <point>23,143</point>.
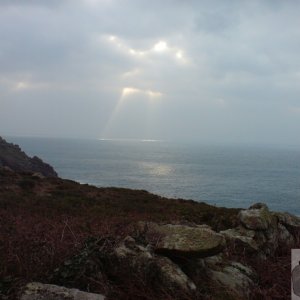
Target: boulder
<point>262,231</point>
<point>38,175</point>
<point>41,291</point>
<point>257,217</point>
<point>287,219</point>
<point>285,237</point>
<point>234,277</point>
<point>241,239</point>
<point>161,271</point>
<point>181,240</point>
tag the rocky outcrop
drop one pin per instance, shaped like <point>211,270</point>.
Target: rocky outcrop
<point>143,257</point>
<point>181,240</point>
<point>13,158</point>
<point>287,220</point>
<point>257,217</point>
<point>40,291</point>
<point>262,232</point>
<point>191,260</point>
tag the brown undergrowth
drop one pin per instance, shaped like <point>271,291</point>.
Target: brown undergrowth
<point>274,272</point>
<point>43,222</point>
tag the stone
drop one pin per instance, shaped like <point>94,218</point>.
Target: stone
<point>41,291</point>
<point>257,217</point>
<point>242,239</point>
<point>259,205</point>
<point>129,248</point>
<point>285,237</point>
<point>263,231</point>
<point>287,219</point>
<point>38,175</point>
<point>171,275</point>
<point>182,240</point>
<point>212,261</point>
<point>232,276</point>
<point>139,260</point>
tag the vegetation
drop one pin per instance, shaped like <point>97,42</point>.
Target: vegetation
<point>45,221</point>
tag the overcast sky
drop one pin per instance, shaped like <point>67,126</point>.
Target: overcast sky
<point>209,71</point>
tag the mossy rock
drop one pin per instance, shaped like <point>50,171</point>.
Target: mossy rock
<point>181,240</point>
<point>257,217</point>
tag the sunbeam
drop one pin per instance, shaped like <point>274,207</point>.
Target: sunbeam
<point>134,94</point>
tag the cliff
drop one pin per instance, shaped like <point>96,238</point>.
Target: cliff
<point>12,157</point>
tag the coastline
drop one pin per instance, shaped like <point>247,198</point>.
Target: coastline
<point>118,243</point>
<point>225,176</point>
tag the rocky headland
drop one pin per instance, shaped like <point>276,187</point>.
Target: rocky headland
<point>12,157</point>
<point>63,240</point>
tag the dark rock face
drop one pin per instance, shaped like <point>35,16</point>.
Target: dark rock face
<point>12,157</point>
<point>262,231</point>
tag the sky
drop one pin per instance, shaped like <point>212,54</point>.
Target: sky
<point>212,71</point>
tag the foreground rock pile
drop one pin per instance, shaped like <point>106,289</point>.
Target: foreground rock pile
<point>182,259</point>
<point>261,232</point>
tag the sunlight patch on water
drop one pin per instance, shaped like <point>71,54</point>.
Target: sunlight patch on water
<point>132,140</point>
<point>156,169</point>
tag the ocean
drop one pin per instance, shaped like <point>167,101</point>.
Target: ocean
<point>230,176</point>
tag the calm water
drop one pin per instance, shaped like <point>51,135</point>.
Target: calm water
<point>221,175</point>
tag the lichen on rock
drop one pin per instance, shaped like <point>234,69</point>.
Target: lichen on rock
<point>257,217</point>
<point>182,240</point>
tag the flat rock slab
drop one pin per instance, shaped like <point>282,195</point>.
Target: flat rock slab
<point>190,241</point>
<point>40,291</point>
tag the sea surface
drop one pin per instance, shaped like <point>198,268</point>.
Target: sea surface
<point>231,176</point>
